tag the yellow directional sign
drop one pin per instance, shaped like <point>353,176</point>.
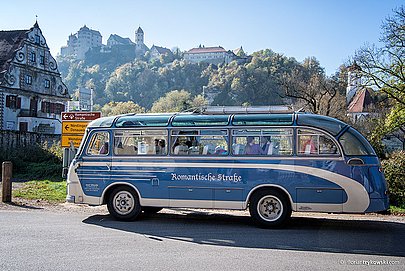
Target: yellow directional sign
<point>76,139</point>
<point>74,127</point>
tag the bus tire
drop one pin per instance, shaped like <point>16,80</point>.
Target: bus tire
<point>269,208</point>
<point>123,204</point>
<point>151,210</point>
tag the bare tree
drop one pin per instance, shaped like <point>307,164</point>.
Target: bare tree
<point>308,86</point>
<point>383,67</point>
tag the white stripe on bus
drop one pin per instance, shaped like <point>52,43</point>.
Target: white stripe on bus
<point>357,196</point>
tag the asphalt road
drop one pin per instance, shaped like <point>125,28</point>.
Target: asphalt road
<point>47,240</point>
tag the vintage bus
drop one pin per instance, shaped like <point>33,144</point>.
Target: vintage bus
<point>270,163</point>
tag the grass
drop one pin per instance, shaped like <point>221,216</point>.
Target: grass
<point>46,190</point>
<point>397,210</point>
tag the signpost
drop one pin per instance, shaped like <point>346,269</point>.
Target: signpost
<point>74,125</point>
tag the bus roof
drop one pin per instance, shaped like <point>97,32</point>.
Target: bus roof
<point>331,125</point>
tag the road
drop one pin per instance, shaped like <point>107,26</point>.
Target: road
<point>32,239</point>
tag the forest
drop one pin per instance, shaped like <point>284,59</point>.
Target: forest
<point>269,78</point>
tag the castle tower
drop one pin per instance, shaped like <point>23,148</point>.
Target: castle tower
<point>139,36</point>
<point>140,47</point>
<point>353,81</point>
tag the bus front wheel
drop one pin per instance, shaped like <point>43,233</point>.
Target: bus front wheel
<point>123,204</point>
<point>269,208</point>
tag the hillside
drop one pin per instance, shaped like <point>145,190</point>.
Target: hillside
<point>115,76</point>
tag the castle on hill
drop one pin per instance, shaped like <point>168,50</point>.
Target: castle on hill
<point>86,39</point>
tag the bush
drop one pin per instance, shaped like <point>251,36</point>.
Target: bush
<point>394,170</point>
<point>35,162</point>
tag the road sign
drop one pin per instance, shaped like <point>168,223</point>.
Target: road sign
<point>76,139</point>
<point>74,127</point>
<point>70,116</point>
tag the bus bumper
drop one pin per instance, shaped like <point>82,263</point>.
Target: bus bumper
<point>70,198</point>
<point>378,205</point>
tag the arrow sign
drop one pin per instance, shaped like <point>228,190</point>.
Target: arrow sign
<point>74,127</point>
<point>81,115</point>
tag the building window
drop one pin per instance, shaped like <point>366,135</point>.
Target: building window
<point>13,102</point>
<point>33,57</point>
<point>53,108</point>
<point>28,79</point>
<point>37,39</point>
<point>47,83</point>
<point>23,127</point>
<point>42,60</point>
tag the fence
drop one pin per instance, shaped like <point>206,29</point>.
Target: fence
<point>15,139</point>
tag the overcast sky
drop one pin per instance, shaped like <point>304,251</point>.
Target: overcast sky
<point>329,30</point>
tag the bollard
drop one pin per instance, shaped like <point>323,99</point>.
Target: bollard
<point>7,172</point>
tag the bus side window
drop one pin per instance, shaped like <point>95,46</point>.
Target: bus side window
<point>204,142</point>
<point>263,142</point>
<point>327,146</point>
<point>98,144</point>
<point>315,143</point>
<point>140,142</point>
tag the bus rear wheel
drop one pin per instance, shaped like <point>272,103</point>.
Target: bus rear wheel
<point>269,208</point>
<point>123,204</point>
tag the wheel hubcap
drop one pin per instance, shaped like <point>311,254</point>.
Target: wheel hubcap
<point>270,208</point>
<point>123,203</point>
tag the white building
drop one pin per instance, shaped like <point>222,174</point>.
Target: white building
<point>213,55</point>
<point>78,44</point>
<point>157,51</point>
<point>32,94</point>
<point>114,40</point>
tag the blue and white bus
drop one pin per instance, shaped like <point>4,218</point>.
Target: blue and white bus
<point>269,163</point>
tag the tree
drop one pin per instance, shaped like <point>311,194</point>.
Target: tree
<point>118,108</point>
<point>177,101</point>
<point>384,68</point>
<point>308,86</point>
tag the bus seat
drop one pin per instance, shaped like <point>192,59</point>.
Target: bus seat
<point>238,149</point>
<point>181,150</point>
<point>209,149</point>
<point>270,149</point>
<point>194,150</point>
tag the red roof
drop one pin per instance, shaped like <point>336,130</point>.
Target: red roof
<point>360,103</point>
<point>202,50</point>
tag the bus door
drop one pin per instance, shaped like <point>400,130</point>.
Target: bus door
<point>318,191</point>
<point>364,164</point>
<point>139,161</point>
<point>94,163</point>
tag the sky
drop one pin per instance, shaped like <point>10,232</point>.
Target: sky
<point>330,30</point>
